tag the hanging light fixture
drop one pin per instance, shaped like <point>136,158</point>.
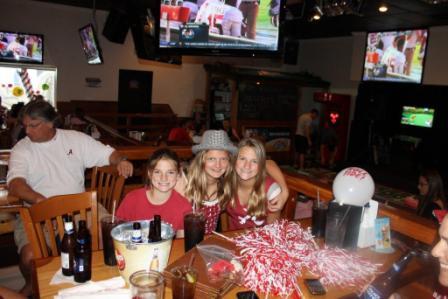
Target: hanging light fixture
<point>316,13</point>
<point>383,7</point>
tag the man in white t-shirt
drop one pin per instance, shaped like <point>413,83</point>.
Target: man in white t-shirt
<point>303,135</point>
<point>51,161</point>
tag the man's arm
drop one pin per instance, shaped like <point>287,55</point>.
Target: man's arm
<point>308,134</point>
<point>124,167</point>
<point>19,188</point>
<point>276,173</point>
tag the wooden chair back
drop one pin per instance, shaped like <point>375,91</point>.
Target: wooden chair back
<point>108,185</point>
<point>41,219</point>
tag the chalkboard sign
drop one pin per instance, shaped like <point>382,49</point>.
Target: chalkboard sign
<point>267,102</point>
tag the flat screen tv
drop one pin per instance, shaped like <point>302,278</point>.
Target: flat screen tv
<point>18,47</point>
<point>396,56</point>
<point>417,116</point>
<point>220,27</point>
<point>90,45</point>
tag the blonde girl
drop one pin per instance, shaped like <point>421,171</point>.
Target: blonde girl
<point>253,188</point>
<point>209,185</point>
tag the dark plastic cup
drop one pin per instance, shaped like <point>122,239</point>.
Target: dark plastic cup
<point>184,282</point>
<point>194,229</point>
<point>107,224</point>
<point>319,219</point>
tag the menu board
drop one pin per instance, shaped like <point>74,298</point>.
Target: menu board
<point>267,101</point>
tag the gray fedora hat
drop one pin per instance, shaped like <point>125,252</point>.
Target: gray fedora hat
<point>215,140</point>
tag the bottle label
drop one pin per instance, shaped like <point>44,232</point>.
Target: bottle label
<point>68,226</point>
<point>136,236</point>
<point>372,293</point>
<point>80,264</point>
<point>65,260</point>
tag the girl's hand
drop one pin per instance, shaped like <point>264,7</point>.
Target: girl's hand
<point>277,203</point>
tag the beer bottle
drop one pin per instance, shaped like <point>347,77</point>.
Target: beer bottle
<point>157,228</point>
<point>155,260</point>
<point>68,247</point>
<point>151,232</point>
<point>83,254</point>
<point>385,284</point>
<point>136,232</point>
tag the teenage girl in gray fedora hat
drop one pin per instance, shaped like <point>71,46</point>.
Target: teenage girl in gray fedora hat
<point>209,184</point>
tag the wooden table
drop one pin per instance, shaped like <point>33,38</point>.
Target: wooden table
<point>44,269</point>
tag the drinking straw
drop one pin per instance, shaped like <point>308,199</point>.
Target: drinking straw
<point>113,211</point>
<point>318,197</point>
<point>190,263</point>
<point>343,218</point>
<point>222,236</point>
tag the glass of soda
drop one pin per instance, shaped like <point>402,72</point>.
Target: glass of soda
<point>147,284</point>
<point>107,224</point>
<point>184,282</point>
<point>194,229</point>
<point>318,221</point>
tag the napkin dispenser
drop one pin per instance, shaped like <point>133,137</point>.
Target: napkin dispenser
<point>366,236</point>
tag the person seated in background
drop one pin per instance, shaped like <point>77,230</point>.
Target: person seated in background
<point>180,135</point>
<point>431,194</point>
<point>75,120</point>
<point>233,134</point>
<point>15,127</point>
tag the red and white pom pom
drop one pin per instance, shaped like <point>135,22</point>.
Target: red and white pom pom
<point>338,267</point>
<point>275,255</point>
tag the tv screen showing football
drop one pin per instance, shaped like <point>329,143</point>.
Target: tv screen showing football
<point>216,27</point>
<point>396,56</point>
<point>17,47</point>
<point>417,116</point>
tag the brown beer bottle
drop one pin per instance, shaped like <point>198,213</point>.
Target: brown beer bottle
<point>385,284</point>
<point>83,254</point>
<point>68,247</point>
<point>157,228</point>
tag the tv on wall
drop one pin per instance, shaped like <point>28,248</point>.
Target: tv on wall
<point>18,47</point>
<point>396,56</point>
<point>228,27</point>
<point>417,116</point>
<point>90,45</point>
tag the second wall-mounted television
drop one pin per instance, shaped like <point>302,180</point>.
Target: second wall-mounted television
<point>229,27</point>
<point>18,47</point>
<point>396,56</point>
<point>417,116</point>
<point>90,45</point>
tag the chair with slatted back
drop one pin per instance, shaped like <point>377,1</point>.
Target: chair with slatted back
<point>39,220</point>
<point>108,184</point>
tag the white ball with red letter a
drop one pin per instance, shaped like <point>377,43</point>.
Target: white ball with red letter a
<point>353,186</point>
